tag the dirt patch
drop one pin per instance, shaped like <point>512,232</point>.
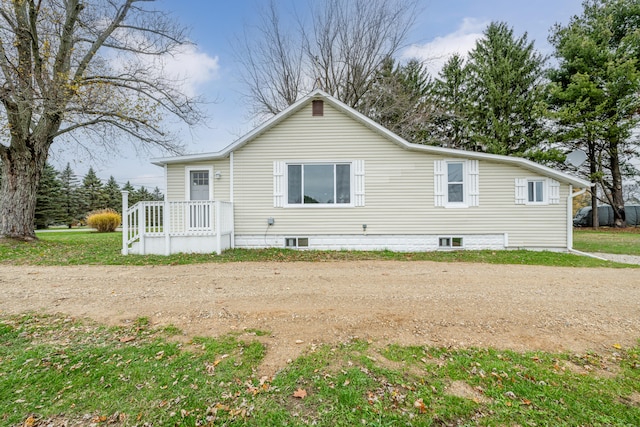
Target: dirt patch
<point>465,391</point>
<point>302,304</point>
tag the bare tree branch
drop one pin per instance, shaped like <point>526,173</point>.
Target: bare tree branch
<point>72,67</point>
<point>339,50</point>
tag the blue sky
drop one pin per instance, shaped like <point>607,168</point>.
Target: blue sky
<point>443,27</point>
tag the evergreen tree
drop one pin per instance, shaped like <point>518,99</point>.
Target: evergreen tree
<point>69,197</point>
<point>157,195</point>
<point>505,86</point>
<point>133,194</point>
<point>398,99</point>
<point>450,122</point>
<point>48,207</point>
<point>112,195</point>
<point>143,195</point>
<point>92,192</point>
<point>595,92</point>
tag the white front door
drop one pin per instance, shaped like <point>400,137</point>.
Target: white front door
<point>199,181</point>
<point>199,214</point>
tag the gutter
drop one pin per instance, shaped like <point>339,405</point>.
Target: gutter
<point>570,218</point>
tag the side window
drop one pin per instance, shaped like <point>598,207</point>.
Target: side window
<point>537,191</point>
<point>456,183</point>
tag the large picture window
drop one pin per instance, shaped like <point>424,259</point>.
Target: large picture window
<point>319,184</point>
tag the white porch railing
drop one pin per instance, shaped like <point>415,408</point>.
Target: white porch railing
<point>175,219</point>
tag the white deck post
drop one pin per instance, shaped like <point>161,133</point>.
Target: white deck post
<point>142,226</point>
<point>218,224</point>
<point>166,227</point>
<point>125,222</point>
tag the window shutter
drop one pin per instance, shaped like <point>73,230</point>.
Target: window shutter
<point>278,184</point>
<point>473,182</point>
<point>554,192</point>
<point>521,191</point>
<point>358,175</point>
<point>439,182</point>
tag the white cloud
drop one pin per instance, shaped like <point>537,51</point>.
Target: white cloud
<point>186,64</point>
<point>192,66</point>
<point>435,53</point>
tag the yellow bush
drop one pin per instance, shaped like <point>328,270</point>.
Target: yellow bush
<point>104,220</point>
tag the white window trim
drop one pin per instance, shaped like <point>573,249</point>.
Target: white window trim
<point>550,190</point>
<point>187,179</point>
<point>470,184</point>
<point>352,184</point>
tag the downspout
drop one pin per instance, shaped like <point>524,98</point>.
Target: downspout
<point>232,237</point>
<point>231,177</point>
<point>570,198</point>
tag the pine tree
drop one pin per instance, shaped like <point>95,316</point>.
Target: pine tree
<point>48,207</point>
<point>505,86</point>
<point>595,95</point>
<point>397,99</point>
<point>143,195</point>
<point>133,194</point>
<point>92,192</point>
<point>450,122</point>
<point>69,196</point>
<point>112,195</point>
<point>157,195</point>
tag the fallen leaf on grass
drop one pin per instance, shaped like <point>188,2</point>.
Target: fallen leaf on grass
<point>300,393</point>
<point>420,405</point>
<point>127,339</point>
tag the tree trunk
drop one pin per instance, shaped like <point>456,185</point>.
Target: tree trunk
<point>21,171</point>
<point>619,220</point>
<point>593,168</point>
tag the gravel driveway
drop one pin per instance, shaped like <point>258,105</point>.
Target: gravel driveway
<point>301,303</point>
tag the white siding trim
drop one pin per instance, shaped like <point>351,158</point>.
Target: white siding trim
<point>439,183</point>
<point>473,183</point>
<point>278,184</point>
<point>358,182</point>
<point>521,191</point>
<point>554,192</point>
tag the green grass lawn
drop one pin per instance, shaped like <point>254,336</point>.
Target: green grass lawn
<point>86,247</point>
<point>57,370</point>
<point>54,368</point>
<point>608,241</point>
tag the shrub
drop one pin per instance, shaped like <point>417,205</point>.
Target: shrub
<point>104,220</point>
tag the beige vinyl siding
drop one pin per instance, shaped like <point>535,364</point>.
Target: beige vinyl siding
<point>398,188</point>
<point>176,175</point>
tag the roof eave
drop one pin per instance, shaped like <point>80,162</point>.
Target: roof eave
<point>535,167</point>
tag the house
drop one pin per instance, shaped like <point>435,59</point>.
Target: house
<point>320,175</point>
